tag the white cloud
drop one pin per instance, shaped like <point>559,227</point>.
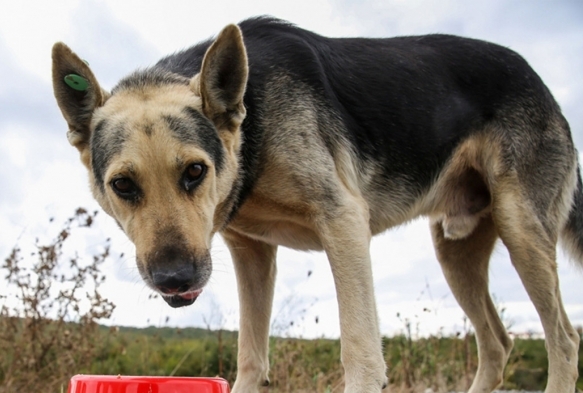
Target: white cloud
<point>30,28</point>
<point>185,22</point>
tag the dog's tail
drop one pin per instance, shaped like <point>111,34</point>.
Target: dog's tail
<point>572,234</point>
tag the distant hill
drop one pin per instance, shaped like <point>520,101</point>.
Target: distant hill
<point>168,332</point>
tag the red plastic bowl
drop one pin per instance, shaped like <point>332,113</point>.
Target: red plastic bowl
<point>127,384</point>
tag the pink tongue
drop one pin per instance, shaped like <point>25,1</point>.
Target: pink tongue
<point>191,295</point>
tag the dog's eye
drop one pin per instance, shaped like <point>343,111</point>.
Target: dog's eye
<point>193,176</point>
<point>125,188</point>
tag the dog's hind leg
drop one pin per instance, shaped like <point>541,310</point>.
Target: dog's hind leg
<point>465,265</point>
<point>345,235</point>
<point>531,238</point>
<point>255,269</point>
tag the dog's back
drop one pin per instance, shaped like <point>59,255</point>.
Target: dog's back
<point>398,107</point>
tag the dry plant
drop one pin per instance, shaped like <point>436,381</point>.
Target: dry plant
<point>48,319</point>
<point>305,366</point>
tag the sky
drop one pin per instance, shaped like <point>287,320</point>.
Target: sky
<point>41,175</point>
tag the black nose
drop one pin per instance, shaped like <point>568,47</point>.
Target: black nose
<point>173,279</point>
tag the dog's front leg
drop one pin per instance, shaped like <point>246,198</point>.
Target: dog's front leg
<point>255,269</point>
<point>346,239</point>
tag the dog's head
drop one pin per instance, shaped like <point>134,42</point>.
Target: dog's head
<point>162,155</point>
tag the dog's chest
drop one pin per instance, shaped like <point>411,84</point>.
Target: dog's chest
<point>274,228</point>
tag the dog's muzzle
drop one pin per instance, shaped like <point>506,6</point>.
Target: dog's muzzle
<point>176,284</point>
<point>177,275</point>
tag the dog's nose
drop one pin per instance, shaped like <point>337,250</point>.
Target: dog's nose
<point>171,280</point>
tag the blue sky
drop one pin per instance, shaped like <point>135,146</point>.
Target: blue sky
<point>41,177</point>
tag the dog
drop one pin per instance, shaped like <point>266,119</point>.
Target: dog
<point>272,135</point>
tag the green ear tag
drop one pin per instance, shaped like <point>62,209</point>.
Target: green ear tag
<point>76,82</point>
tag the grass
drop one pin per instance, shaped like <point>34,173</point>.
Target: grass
<point>440,363</point>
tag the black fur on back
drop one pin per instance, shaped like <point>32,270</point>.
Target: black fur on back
<point>404,102</point>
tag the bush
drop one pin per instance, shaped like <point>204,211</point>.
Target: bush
<point>48,322</point>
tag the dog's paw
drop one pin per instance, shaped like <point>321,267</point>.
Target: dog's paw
<point>367,385</point>
<point>242,386</point>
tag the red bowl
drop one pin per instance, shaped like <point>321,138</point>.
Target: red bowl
<point>127,384</point>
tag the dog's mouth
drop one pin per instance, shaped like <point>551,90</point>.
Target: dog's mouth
<point>183,299</point>
<point>177,275</point>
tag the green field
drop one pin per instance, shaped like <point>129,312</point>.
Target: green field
<point>441,363</point>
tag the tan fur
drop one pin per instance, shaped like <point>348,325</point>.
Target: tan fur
<point>532,250</point>
<point>254,262</point>
<point>477,156</point>
<point>465,266</point>
<point>476,199</point>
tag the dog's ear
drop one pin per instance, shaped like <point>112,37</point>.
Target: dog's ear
<point>223,78</point>
<point>77,92</point>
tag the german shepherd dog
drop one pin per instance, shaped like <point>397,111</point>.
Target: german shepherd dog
<point>272,135</point>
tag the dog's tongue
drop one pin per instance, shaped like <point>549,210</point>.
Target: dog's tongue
<point>191,295</point>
